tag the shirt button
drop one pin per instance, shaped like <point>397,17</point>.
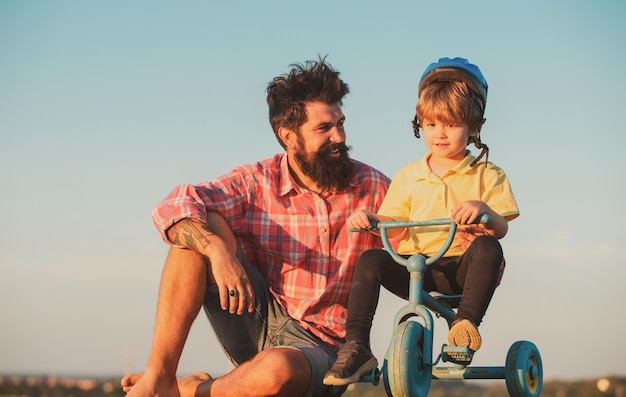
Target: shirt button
<point>322,230</point>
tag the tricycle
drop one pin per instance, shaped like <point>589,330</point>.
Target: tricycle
<point>408,367</point>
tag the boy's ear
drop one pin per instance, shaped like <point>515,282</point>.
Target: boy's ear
<point>480,126</point>
<point>477,132</point>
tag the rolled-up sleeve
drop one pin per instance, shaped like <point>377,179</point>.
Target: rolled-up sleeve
<point>225,195</point>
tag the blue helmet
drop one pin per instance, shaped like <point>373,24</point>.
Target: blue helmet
<point>447,69</point>
<point>457,69</point>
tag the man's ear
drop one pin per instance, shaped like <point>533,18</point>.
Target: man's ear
<point>288,137</point>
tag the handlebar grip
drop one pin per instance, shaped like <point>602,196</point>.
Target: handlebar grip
<point>374,227</point>
<point>484,218</point>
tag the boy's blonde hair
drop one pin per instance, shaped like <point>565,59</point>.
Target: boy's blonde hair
<point>452,102</point>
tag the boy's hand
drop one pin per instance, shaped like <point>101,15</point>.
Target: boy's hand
<point>468,212</point>
<point>362,220</point>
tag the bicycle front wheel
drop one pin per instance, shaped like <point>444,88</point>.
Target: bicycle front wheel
<point>407,374</point>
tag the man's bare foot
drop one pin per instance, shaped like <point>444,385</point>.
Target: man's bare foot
<point>189,386</point>
<point>129,381</point>
<point>141,385</point>
<point>196,385</point>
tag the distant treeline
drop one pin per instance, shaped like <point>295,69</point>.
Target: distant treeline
<point>56,386</point>
<point>53,386</point>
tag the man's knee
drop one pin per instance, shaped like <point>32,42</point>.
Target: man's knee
<point>287,372</point>
<point>181,255</point>
<point>189,262</point>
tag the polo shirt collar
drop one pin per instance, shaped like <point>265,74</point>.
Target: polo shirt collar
<point>423,171</point>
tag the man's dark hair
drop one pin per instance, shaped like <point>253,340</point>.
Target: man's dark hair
<point>287,94</point>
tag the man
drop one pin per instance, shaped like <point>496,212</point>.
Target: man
<point>266,251</point>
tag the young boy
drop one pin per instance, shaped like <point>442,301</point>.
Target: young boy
<point>447,182</point>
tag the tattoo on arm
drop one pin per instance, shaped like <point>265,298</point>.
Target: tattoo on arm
<point>190,233</point>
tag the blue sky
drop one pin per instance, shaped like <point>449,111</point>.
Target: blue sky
<point>105,106</point>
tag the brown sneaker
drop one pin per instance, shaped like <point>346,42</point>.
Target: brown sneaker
<point>465,333</point>
<point>353,361</point>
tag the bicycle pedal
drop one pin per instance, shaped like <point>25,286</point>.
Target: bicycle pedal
<point>372,377</point>
<point>457,354</point>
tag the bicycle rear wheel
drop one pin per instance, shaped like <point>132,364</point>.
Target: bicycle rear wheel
<point>524,370</point>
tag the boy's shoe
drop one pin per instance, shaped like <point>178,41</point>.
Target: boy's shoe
<point>353,361</point>
<point>465,333</point>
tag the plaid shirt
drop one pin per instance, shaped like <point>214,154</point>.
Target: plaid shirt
<point>296,238</point>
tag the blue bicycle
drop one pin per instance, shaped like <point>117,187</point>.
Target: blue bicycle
<point>408,367</point>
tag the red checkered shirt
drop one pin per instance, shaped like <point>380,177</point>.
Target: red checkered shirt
<point>296,238</point>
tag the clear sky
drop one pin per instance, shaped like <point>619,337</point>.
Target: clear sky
<point>105,106</point>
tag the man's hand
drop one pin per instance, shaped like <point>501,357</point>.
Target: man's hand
<point>235,289</point>
<point>216,241</point>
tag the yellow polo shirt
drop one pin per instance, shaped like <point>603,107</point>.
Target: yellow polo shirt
<point>416,194</point>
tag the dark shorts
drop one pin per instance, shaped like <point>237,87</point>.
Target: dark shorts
<point>268,326</point>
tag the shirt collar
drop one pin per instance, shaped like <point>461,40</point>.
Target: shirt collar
<point>464,166</point>
<point>423,171</point>
<point>287,183</point>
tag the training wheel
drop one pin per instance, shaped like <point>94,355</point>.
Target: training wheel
<point>524,370</point>
<point>406,373</point>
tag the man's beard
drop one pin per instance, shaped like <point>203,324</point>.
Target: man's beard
<point>331,174</point>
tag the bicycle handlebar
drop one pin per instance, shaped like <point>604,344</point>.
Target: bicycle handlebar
<point>484,218</point>
<point>383,226</point>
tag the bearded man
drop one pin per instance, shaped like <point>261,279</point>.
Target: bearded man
<point>265,250</point>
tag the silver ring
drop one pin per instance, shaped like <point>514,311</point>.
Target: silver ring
<point>233,292</point>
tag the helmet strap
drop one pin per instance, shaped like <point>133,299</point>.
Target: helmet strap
<point>484,149</point>
<point>416,127</point>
